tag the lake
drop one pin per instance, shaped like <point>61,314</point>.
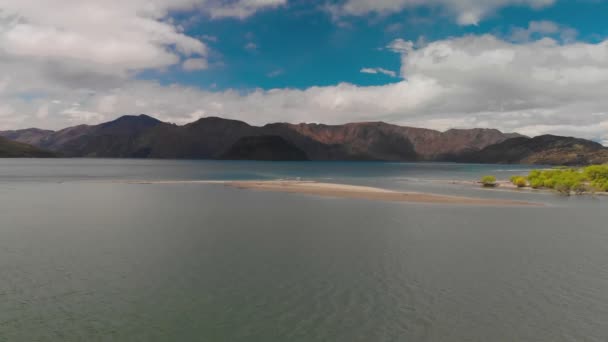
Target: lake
<point>86,256</point>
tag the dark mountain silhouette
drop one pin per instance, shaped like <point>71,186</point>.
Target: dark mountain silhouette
<point>115,139</point>
<point>215,138</point>
<point>264,147</point>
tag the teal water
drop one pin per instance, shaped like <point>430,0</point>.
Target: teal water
<point>84,256</point>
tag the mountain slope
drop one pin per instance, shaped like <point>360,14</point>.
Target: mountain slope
<point>30,136</point>
<point>382,141</point>
<point>115,139</point>
<point>376,140</point>
<point>364,141</point>
<point>264,147</point>
<point>13,149</point>
<point>545,149</point>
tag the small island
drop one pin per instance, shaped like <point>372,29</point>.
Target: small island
<point>564,180</point>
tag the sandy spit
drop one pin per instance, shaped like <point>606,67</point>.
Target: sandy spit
<point>353,192</point>
<point>371,193</point>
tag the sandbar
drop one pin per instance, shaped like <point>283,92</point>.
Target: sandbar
<point>353,192</point>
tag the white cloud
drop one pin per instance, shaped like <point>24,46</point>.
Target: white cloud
<point>89,43</point>
<point>400,46</point>
<point>341,103</point>
<point>193,64</point>
<point>244,8</point>
<point>467,12</point>
<point>43,112</point>
<point>543,29</point>
<point>78,116</point>
<point>379,71</point>
<point>109,37</point>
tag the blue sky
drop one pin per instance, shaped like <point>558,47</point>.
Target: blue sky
<point>300,45</point>
<point>531,66</point>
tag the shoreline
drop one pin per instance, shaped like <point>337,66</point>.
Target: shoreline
<point>504,185</point>
<point>353,192</point>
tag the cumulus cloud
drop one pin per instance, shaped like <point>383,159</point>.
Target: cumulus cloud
<point>467,12</point>
<point>107,37</point>
<point>543,29</point>
<point>378,71</point>
<point>537,87</point>
<point>91,42</point>
<point>520,34</point>
<point>193,64</point>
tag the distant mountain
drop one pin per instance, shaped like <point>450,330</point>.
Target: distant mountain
<point>215,138</point>
<point>13,149</point>
<point>382,141</point>
<point>360,141</point>
<point>30,136</point>
<point>545,149</point>
<point>115,139</point>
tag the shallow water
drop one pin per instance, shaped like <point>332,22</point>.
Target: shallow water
<point>86,257</point>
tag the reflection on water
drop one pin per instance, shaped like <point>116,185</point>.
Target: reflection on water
<point>85,258</point>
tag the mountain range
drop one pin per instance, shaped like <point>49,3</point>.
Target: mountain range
<point>143,136</point>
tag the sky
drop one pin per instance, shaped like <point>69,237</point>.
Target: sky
<point>528,66</point>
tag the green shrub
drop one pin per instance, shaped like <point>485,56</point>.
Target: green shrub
<point>598,176</point>
<point>562,189</point>
<point>536,183</point>
<point>488,181</point>
<point>601,185</point>
<point>580,188</point>
<point>519,181</point>
<point>534,174</point>
<point>567,180</point>
<point>596,172</point>
<point>549,183</point>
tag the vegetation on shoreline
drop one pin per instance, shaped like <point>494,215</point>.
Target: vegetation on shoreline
<point>519,181</point>
<point>565,180</point>
<point>488,181</point>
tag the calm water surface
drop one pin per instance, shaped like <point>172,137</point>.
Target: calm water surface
<point>86,257</point>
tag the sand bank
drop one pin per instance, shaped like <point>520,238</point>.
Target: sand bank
<point>370,193</point>
<point>352,191</point>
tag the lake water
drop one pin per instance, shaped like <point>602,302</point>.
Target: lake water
<point>85,256</point>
